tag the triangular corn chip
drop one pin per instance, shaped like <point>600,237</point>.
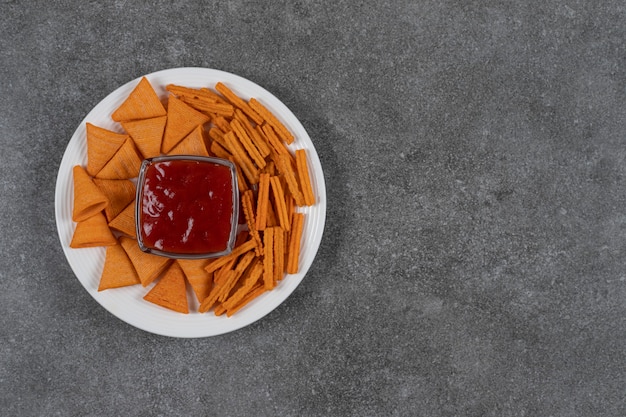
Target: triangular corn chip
<point>192,144</point>
<point>120,194</point>
<point>124,164</point>
<point>181,120</point>
<point>92,232</point>
<point>147,134</point>
<point>200,280</point>
<point>102,144</point>
<point>142,103</point>
<point>170,292</point>
<point>88,198</point>
<point>148,266</point>
<point>125,221</point>
<point>118,270</point>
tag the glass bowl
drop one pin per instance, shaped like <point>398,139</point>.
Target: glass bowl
<point>187,206</point>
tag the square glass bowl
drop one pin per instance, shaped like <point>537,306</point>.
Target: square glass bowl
<point>187,207</point>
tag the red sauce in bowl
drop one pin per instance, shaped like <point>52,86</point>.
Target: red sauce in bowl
<point>187,206</point>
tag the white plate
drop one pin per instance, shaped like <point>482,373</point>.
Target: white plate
<point>127,303</point>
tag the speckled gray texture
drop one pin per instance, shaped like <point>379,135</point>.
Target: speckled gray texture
<point>474,257</point>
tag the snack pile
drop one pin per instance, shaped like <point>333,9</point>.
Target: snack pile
<point>273,181</point>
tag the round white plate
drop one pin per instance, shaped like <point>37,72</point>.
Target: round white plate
<point>128,303</point>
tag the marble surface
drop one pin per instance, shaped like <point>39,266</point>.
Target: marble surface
<point>473,261</point>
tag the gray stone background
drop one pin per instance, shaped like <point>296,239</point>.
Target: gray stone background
<point>473,262</point>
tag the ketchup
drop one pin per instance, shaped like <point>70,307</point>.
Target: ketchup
<point>186,207</point>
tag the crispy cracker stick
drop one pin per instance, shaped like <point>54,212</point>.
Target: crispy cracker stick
<point>247,143</point>
<point>219,151</point>
<point>250,278</point>
<point>242,184</point>
<point>279,202</point>
<point>278,147</point>
<point>240,280</point>
<point>294,243</point>
<point>254,293</point>
<point>212,94</point>
<point>279,254</point>
<point>181,91</point>
<point>303,176</point>
<point>262,201</point>
<point>219,309</point>
<point>209,107</point>
<point>241,267</point>
<point>220,275</point>
<point>241,157</point>
<point>271,119</point>
<point>286,250</point>
<point>229,280</point>
<point>239,250</point>
<point>221,123</point>
<point>217,135</point>
<point>210,300</point>
<point>274,140</point>
<point>202,99</point>
<point>271,216</point>
<point>285,168</point>
<point>208,262</point>
<point>238,102</point>
<point>257,139</point>
<point>268,259</point>
<point>291,207</point>
<point>247,201</point>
